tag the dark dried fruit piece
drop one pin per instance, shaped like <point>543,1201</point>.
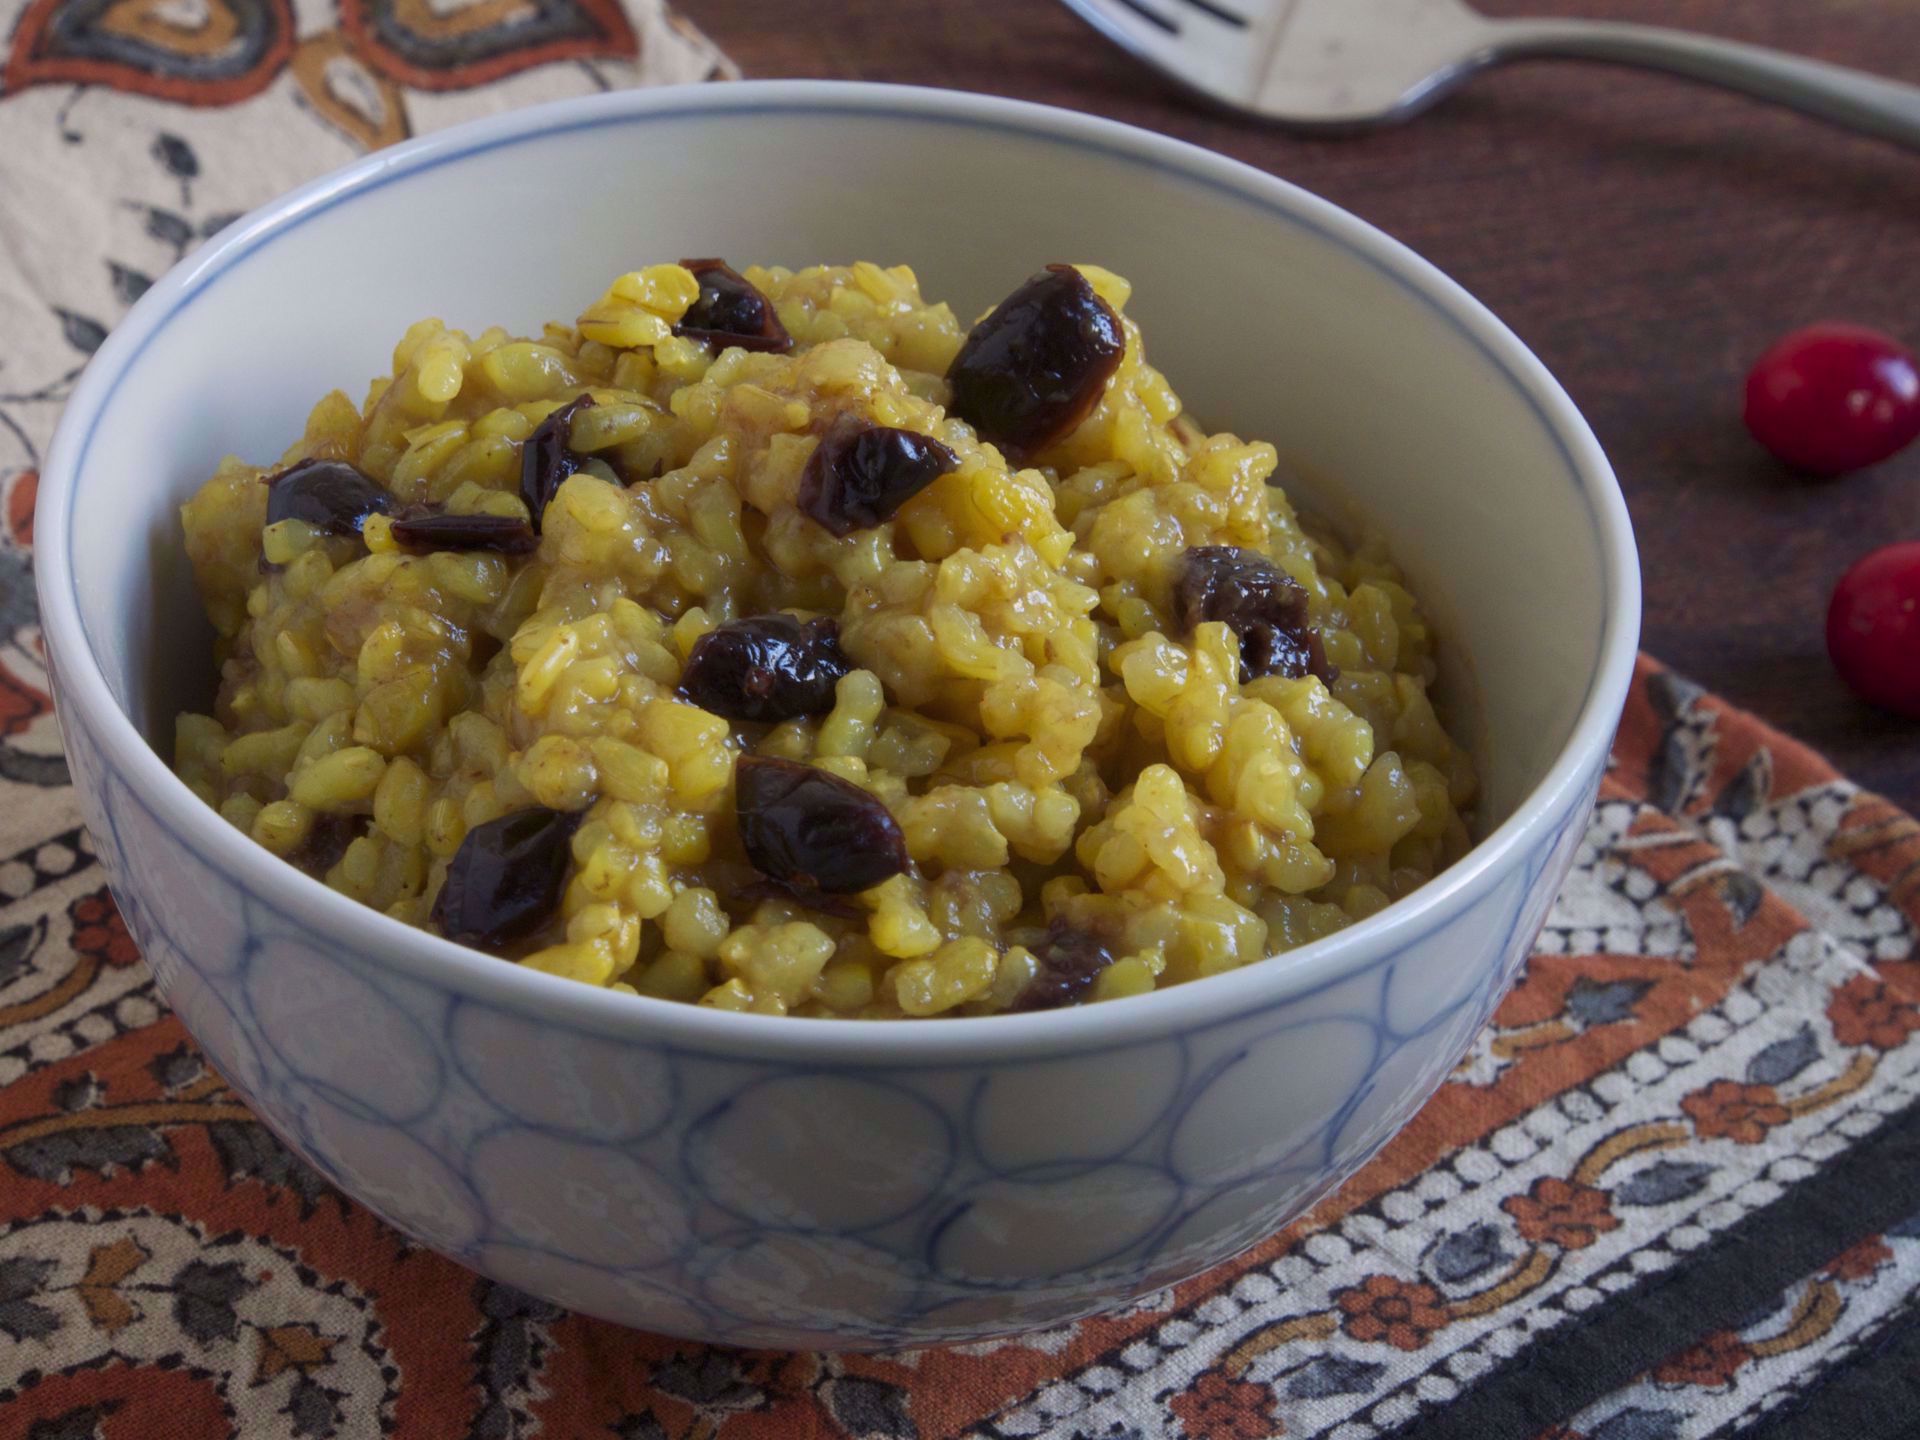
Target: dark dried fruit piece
<point>814,831</point>
<point>1265,606</point>
<point>506,879</point>
<point>766,668</point>
<point>547,458</point>
<point>859,475</point>
<point>502,534</point>
<point>764,889</point>
<point>730,311</point>
<point>1070,961</point>
<point>332,496</point>
<point>327,841</point>
<point>1037,365</point>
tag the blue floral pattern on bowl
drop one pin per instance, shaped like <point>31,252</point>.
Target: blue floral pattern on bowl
<point>733,1178</point>
<point>799,1206</point>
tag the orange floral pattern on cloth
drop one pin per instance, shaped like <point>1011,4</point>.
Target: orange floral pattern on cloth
<point>20,496</point>
<point>1392,1311</point>
<point>1745,1113</point>
<point>98,930</point>
<point>1866,1011</point>
<point>237,48</point>
<point>1558,1212</point>
<point>1216,1407</point>
<point>1722,1009</point>
<point>21,704</point>
<point>1715,1361</point>
<point>1678,1038</point>
<point>1861,1261</point>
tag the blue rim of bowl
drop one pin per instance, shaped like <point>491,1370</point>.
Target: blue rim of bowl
<point>1197,1005</point>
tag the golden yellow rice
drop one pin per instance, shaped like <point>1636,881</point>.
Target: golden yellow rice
<point>1053,750</point>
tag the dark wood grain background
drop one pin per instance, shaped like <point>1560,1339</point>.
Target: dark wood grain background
<point>1647,237</point>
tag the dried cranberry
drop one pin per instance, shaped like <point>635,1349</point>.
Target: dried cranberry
<point>547,458</point>
<point>1265,606</point>
<point>332,496</point>
<point>506,879</point>
<point>766,667</point>
<point>730,311</point>
<point>764,889</point>
<point>859,475</point>
<point>327,841</point>
<point>1070,961</point>
<point>504,534</point>
<point>814,831</point>
<point>1037,365</point>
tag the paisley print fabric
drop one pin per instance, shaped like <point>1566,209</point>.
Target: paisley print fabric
<point>436,47</point>
<point>1668,1194</point>
<point>208,52</point>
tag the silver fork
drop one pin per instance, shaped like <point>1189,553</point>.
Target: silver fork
<point>1334,65</point>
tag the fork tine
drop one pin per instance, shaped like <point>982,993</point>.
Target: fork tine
<point>1212,46</point>
<point>1141,27</point>
<point>1160,21</point>
<point>1221,13</point>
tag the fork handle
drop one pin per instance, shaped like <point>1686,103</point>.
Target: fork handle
<point>1850,98</point>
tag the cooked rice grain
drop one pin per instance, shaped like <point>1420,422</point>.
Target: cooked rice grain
<point>1054,750</point>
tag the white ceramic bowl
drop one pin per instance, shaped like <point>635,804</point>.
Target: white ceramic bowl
<point>822,1183</point>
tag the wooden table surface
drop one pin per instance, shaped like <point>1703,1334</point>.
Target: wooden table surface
<point>1647,237</point>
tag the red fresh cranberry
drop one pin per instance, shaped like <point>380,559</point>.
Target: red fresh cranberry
<point>1833,398</point>
<point>1873,627</point>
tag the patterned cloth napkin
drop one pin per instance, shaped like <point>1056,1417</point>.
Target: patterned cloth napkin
<point>1674,1191</point>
